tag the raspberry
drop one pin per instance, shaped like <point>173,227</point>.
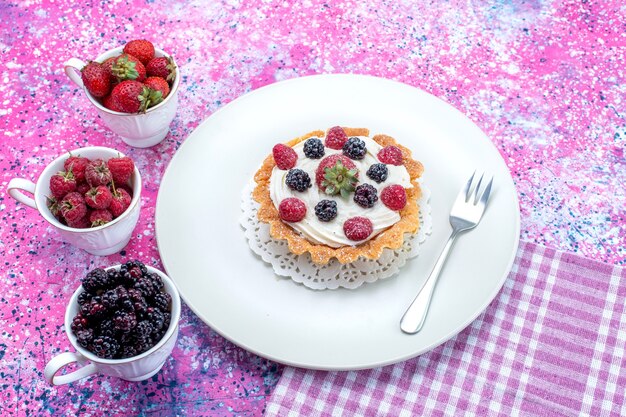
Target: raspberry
<point>391,155</point>
<point>76,165</point>
<point>97,173</point>
<point>378,172</point>
<point>119,204</point>
<point>330,162</point>
<point>82,188</point>
<point>292,210</point>
<point>365,195</point>
<point>326,210</point>
<point>284,156</point>
<point>98,197</point>
<point>298,180</point>
<point>82,223</point>
<point>105,347</point>
<point>96,280</point>
<point>62,183</point>
<point>336,137</point>
<point>121,169</point>
<point>73,207</point>
<point>100,217</point>
<point>394,197</point>
<point>313,148</point>
<point>358,228</point>
<point>355,148</point>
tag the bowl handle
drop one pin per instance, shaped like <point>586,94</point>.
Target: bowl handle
<point>15,188</point>
<point>72,68</point>
<point>60,361</point>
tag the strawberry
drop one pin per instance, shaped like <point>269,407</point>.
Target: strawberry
<point>119,204</point>
<point>394,197</point>
<point>127,67</point>
<point>107,64</point>
<point>336,137</point>
<point>96,79</point>
<point>162,67</point>
<point>100,217</point>
<point>109,103</point>
<point>98,197</point>
<point>391,155</point>
<point>284,156</point>
<point>358,228</point>
<point>292,209</point>
<point>330,162</point>
<point>77,165</point>
<point>97,173</point>
<point>158,84</point>
<point>121,169</point>
<point>73,207</point>
<point>61,183</point>
<point>133,97</point>
<point>142,49</point>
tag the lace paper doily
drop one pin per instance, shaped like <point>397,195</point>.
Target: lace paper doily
<point>333,275</point>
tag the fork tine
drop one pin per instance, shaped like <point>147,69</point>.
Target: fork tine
<point>476,195</point>
<point>466,191</point>
<point>485,196</point>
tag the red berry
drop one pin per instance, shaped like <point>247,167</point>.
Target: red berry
<point>330,162</point>
<point>82,223</point>
<point>100,217</point>
<point>336,137</point>
<point>53,205</point>
<point>73,207</point>
<point>98,197</point>
<point>132,96</point>
<point>121,169</point>
<point>142,49</point>
<point>162,67</point>
<point>119,204</point>
<point>158,84</point>
<point>394,197</point>
<point>358,228</point>
<point>96,79</point>
<point>110,104</point>
<point>284,156</point>
<point>61,183</point>
<point>82,188</point>
<point>107,65</point>
<point>391,155</point>
<point>292,209</point>
<point>128,67</point>
<point>97,173</point>
<point>77,165</point>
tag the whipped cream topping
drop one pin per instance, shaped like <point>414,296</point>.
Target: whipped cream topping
<point>331,233</point>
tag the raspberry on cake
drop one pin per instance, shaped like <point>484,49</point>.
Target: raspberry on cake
<point>363,198</point>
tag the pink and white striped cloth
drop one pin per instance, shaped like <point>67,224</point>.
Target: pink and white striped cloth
<point>552,343</point>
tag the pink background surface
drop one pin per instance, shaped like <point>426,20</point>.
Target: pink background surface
<point>544,80</point>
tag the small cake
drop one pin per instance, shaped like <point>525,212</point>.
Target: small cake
<point>339,194</point>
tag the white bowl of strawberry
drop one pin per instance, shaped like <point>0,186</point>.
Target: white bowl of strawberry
<point>134,89</point>
<point>91,196</point>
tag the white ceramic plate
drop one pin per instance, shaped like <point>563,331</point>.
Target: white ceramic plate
<point>204,250</point>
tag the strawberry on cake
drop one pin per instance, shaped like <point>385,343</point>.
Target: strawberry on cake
<point>339,194</point>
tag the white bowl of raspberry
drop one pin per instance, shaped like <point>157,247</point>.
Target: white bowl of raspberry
<point>137,125</point>
<point>78,214</point>
<point>122,322</point>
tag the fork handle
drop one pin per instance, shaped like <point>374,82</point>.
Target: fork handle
<point>413,319</point>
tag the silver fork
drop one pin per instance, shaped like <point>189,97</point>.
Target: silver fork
<point>466,212</point>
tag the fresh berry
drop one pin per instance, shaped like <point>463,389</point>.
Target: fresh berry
<point>156,318</point>
<point>127,351</point>
<point>326,210</point>
<point>114,278</point>
<point>143,329</point>
<point>121,169</point>
<point>93,310</point>
<point>105,347</point>
<point>143,345</point>
<point>61,183</point>
<point>330,162</point>
<point>83,297</point>
<point>157,282</point>
<point>107,64</point>
<point>336,138</point>
<point>100,217</point>
<point>338,178</point>
<point>84,337</point>
<point>127,67</point>
<point>158,84</point>
<point>96,79</point>
<point>365,195</point>
<point>298,180</point>
<point>124,322</point>
<point>82,223</point>
<point>394,197</point>
<point>97,173</point>
<point>162,67</point>
<point>292,210</point>
<point>73,207</point>
<point>358,228</point>
<point>391,155</point>
<point>162,301</point>
<point>142,49</point>
<point>96,280</point>
<point>132,96</point>
<point>128,190</point>
<point>313,148</point>
<point>53,205</point>
<point>119,204</point>
<point>145,287</point>
<point>110,299</point>
<point>98,197</point>
<point>79,322</point>
<point>284,156</point>
<point>76,165</point>
<point>110,104</point>
<point>83,187</point>
<point>139,302</point>
<point>355,148</point>
<point>378,172</point>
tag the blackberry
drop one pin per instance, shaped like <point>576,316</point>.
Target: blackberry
<point>156,318</point>
<point>298,180</point>
<point>83,298</point>
<point>378,172</point>
<point>162,301</point>
<point>139,302</point>
<point>156,280</point>
<point>145,287</point>
<point>114,277</point>
<point>365,195</point>
<point>168,320</point>
<point>85,337</point>
<point>105,347</point>
<point>143,344</point>
<point>127,351</point>
<point>313,148</point>
<point>136,268</point>
<point>107,328</point>
<point>157,337</point>
<point>354,148</point>
<point>110,299</point>
<point>93,310</point>
<point>96,280</point>
<point>326,210</point>
<point>124,322</point>
<point>143,329</point>
<point>79,322</point>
